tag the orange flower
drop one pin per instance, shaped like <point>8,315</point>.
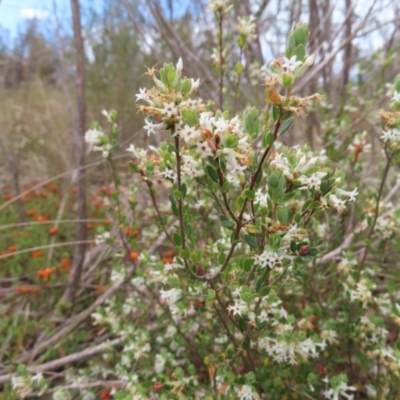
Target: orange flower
<point>28,290</point>
<point>132,232</point>
<point>41,218</point>
<point>53,188</point>
<point>100,289</point>
<point>133,256</point>
<point>107,222</point>
<point>53,231</point>
<point>105,394</point>
<point>6,196</point>
<point>12,249</point>
<point>31,213</point>
<point>65,264</point>
<point>45,273</point>
<point>36,254</point>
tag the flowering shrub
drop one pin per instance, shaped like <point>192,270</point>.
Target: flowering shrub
<point>261,293</point>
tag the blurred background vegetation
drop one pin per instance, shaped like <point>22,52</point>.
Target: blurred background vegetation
<point>356,42</point>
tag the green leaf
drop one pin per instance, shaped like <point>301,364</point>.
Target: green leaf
<point>164,77</point>
<point>285,126</point>
<point>314,205</point>
<point>275,112</point>
<point>184,253</point>
<point>306,204</point>
<point>273,181</point>
<point>268,139</point>
<point>300,52</point>
<point>177,238</point>
<point>212,173</point>
<point>184,190</point>
<point>264,291</point>
<point>178,194</point>
<point>252,122</point>
<point>291,44</point>
<point>248,194</point>
<point>283,215</point>
<point>239,68</point>
<point>251,241</point>
<point>210,294</point>
<point>133,167</point>
<point>228,224</point>
<point>190,116</point>
<point>171,75</point>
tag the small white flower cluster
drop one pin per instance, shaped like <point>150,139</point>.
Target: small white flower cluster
<point>301,166</point>
<point>247,27</point>
<point>338,389</point>
<point>267,259</point>
<point>216,5</point>
<point>99,141</point>
<point>246,392</point>
<point>391,135</point>
<point>362,291</point>
<point>102,238</point>
<point>170,297</point>
<point>288,349</point>
<point>25,384</point>
<point>396,97</point>
<point>360,144</point>
<point>286,70</point>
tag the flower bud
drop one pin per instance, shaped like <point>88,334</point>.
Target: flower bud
<point>287,79</point>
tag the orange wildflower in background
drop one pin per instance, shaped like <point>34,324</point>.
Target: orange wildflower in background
<point>105,394</point>
<point>28,290</point>
<point>132,232</point>
<point>107,222</point>
<point>53,188</point>
<point>100,289</point>
<point>31,213</point>
<point>7,196</point>
<point>12,249</point>
<point>45,273</point>
<point>168,257</point>
<point>36,254</point>
<point>41,218</point>
<point>53,230</point>
<point>65,264</point>
<point>133,256</point>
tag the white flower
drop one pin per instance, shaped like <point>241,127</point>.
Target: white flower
<point>396,97</point>
<point>391,134</point>
<point>171,296</point>
<point>351,195</point>
<point>215,5</point>
<point>169,109</point>
<point>132,150</point>
<point>247,26</point>
<point>340,390</point>
<point>107,115</point>
<point>150,127</point>
<point>94,137</point>
<point>246,392</point>
<point>291,64</point>
<point>143,95</point>
<point>102,238</point>
<point>179,67</point>
<point>204,149</point>
<point>238,307</point>
<point>189,134</point>
<point>267,259</point>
